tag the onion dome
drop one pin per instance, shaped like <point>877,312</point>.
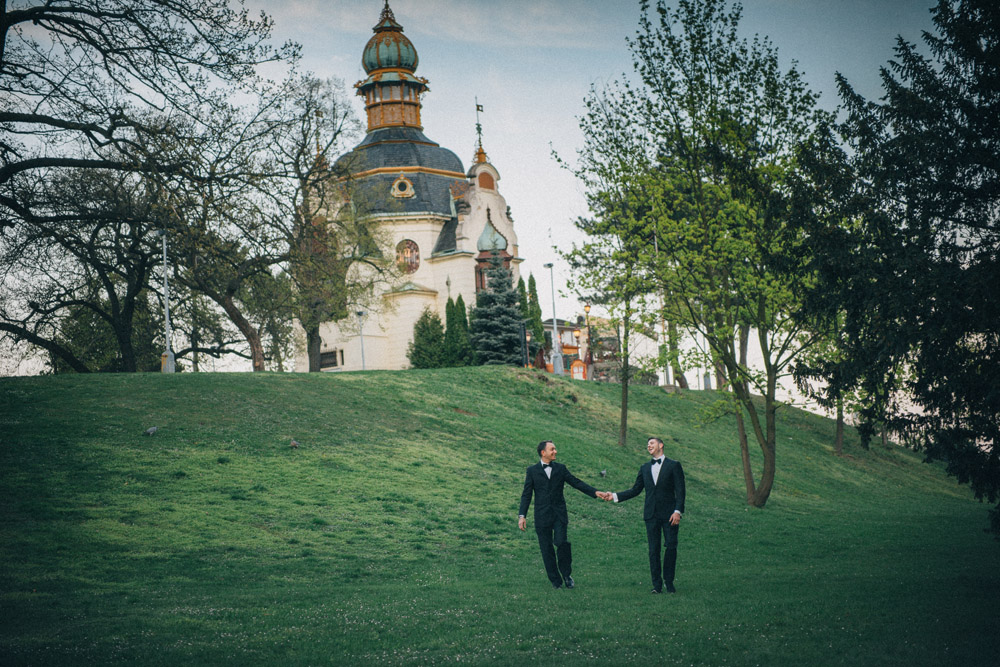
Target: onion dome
<point>392,91</point>
<point>389,48</point>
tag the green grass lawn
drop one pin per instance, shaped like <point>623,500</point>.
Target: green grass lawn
<point>389,536</point>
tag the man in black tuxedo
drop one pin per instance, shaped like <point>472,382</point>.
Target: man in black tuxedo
<point>546,480</point>
<point>663,480</point>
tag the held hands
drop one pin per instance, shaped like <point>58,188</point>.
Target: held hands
<point>605,495</point>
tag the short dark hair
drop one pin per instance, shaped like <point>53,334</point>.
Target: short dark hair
<point>653,437</point>
<point>541,446</point>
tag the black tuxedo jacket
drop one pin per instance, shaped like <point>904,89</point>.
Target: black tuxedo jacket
<point>663,497</point>
<point>550,506</point>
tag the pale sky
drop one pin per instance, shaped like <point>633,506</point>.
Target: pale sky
<point>532,62</point>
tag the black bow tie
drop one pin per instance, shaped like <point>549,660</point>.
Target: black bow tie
<point>657,461</point>
<point>546,465</point>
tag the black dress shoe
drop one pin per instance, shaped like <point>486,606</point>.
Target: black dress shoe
<point>557,586</point>
<point>569,582</point>
<point>656,591</point>
<point>671,589</point>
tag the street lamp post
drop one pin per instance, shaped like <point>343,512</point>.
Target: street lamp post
<point>557,360</point>
<point>527,339</point>
<point>167,361</point>
<point>523,330</point>
<point>361,333</point>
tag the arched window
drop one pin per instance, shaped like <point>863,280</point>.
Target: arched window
<point>486,181</point>
<point>408,256</point>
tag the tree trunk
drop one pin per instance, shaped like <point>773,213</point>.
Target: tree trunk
<point>763,491</point>
<point>741,428</point>
<point>249,332</point>
<point>720,376</point>
<point>674,346</point>
<point>194,347</point>
<point>623,422</point>
<point>626,373</point>
<point>838,442</point>
<point>313,345</point>
<point>744,344</point>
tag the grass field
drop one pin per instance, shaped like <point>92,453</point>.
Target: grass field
<point>389,535</point>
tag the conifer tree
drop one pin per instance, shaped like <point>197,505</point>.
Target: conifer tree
<point>495,328</point>
<point>453,333</point>
<point>427,348</point>
<point>535,316</point>
<point>465,352</point>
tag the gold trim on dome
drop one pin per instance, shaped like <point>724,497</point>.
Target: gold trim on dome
<point>409,170</point>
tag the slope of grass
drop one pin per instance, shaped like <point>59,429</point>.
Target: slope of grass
<point>389,535</point>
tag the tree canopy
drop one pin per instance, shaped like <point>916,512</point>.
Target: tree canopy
<point>915,275</point>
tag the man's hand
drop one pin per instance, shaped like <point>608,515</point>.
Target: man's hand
<point>521,522</point>
<point>605,495</point>
<point>675,519</point>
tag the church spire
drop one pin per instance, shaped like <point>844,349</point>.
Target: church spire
<point>480,156</point>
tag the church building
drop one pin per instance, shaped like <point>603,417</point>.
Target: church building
<point>444,222</point>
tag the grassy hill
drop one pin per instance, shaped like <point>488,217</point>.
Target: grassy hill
<point>389,535</point>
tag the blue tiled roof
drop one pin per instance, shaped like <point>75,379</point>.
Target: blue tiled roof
<point>401,147</point>
<point>393,147</point>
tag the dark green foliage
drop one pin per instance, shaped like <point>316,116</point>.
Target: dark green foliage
<point>465,351</point>
<point>92,340</point>
<point>917,276</point>
<point>496,325</point>
<point>427,349</point>
<point>535,317</point>
<point>457,349</point>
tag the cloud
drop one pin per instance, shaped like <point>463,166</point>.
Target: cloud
<point>579,24</point>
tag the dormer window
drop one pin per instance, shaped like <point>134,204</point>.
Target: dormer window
<point>402,187</point>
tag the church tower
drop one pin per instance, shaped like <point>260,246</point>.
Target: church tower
<point>444,222</point>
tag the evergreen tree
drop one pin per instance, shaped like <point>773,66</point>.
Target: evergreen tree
<point>495,328</point>
<point>535,316</point>
<point>914,279</point>
<point>427,349</point>
<point>465,352</point>
<point>453,332</point>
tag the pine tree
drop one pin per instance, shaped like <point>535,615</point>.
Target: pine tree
<point>465,355</point>
<point>427,349</point>
<point>496,324</point>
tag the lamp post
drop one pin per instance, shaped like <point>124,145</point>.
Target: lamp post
<point>557,360</point>
<point>527,338</point>
<point>590,344</point>
<point>361,332</point>
<point>167,364</point>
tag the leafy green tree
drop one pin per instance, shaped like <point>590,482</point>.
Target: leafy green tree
<point>496,320</point>
<point>694,158</point>
<point>427,350</point>
<point>916,275</point>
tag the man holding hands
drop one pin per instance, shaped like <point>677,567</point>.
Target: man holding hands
<point>545,480</point>
<point>663,481</point>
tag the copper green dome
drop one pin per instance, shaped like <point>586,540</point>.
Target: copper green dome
<point>389,47</point>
